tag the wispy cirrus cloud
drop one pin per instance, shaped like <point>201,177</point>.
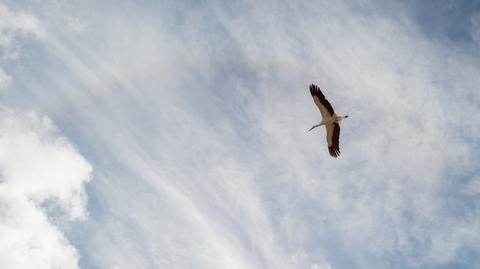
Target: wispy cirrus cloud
<point>475,27</point>
<point>5,80</point>
<point>194,116</point>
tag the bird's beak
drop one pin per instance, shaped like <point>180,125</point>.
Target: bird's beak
<point>311,129</point>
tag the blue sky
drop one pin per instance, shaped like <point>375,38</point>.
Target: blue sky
<point>172,134</point>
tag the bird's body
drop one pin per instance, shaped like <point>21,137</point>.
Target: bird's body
<point>330,120</point>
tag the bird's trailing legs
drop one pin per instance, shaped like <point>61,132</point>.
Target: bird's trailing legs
<point>315,126</point>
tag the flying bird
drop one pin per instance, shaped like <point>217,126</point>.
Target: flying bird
<point>329,119</point>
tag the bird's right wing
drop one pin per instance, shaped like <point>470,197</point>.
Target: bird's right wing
<point>333,139</point>
<point>325,108</point>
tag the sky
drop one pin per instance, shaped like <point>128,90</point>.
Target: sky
<point>173,134</point>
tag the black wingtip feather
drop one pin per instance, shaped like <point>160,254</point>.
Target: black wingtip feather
<point>314,89</point>
<point>334,152</point>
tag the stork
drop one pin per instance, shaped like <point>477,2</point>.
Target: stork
<point>329,119</point>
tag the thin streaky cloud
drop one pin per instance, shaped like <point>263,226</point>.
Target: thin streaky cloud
<point>193,118</point>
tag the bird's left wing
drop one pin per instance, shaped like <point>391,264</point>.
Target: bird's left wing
<point>333,139</point>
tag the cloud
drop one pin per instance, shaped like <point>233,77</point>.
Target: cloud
<point>5,80</point>
<point>38,166</point>
<point>42,176</point>
<point>316,266</point>
<point>195,118</point>
<point>74,24</point>
<point>475,27</point>
<point>15,25</point>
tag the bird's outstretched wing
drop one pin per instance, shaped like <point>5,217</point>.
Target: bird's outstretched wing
<point>333,139</point>
<point>325,108</point>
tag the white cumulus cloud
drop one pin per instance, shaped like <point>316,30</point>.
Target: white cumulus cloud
<point>37,166</point>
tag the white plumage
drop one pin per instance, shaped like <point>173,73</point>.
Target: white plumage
<point>329,119</point>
